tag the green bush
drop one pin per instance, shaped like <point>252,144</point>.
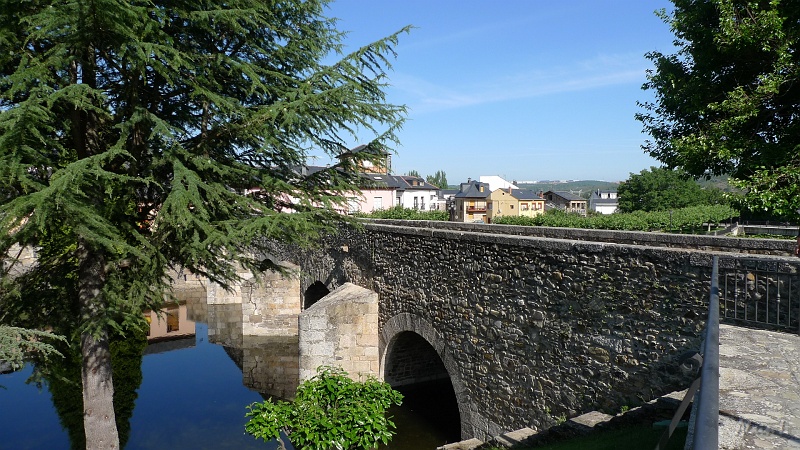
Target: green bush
<point>400,213</point>
<point>679,220</point>
<point>330,411</point>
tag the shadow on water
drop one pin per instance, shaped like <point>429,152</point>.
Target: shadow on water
<point>428,417</point>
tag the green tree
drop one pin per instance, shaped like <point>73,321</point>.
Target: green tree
<point>17,344</point>
<point>329,411</point>
<point>439,179</point>
<point>726,101</point>
<point>139,136</point>
<point>63,378</point>
<point>659,189</point>
<point>413,173</point>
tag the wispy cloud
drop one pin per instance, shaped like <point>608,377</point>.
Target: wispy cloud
<point>425,96</point>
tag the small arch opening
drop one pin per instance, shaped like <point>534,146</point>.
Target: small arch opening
<point>314,293</point>
<point>429,416</point>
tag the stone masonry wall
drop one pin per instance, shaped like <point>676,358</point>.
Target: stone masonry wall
<point>341,329</point>
<point>538,328</point>
<point>271,304</point>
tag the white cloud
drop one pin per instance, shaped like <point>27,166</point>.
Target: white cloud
<point>424,96</point>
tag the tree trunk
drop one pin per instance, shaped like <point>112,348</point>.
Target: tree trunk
<point>99,421</point>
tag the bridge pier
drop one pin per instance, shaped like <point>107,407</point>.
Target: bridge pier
<point>341,329</point>
<point>270,304</point>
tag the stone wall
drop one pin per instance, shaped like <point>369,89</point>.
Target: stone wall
<point>271,303</point>
<point>782,247</point>
<point>342,330</point>
<point>534,328</point>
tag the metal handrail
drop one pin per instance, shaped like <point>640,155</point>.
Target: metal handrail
<point>706,431</point>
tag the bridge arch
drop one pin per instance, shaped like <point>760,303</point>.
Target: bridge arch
<point>398,329</point>
<point>314,293</point>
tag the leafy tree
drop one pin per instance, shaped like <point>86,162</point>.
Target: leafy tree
<point>329,411</point>
<point>413,173</point>
<point>726,101</point>
<point>659,189</point>
<point>138,136</point>
<point>439,179</point>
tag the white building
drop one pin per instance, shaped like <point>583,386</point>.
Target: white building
<point>603,202</point>
<point>415,193</point>
<point>496,183</point>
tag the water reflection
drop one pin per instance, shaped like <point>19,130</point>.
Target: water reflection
<point>188,393</point>
<point>269,364</point>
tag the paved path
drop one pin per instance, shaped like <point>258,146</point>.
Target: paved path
<point>759,389</point>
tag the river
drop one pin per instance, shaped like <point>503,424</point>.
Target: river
<point>193,395</point>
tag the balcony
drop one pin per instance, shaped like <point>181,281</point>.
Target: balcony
<point>476,210</point>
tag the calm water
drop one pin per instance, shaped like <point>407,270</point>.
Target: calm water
<point>193,396</point>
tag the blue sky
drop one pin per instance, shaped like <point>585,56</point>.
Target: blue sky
<point>524,89</point>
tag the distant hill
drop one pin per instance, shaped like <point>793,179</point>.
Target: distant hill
<point>584,188</point>
<point>720,182</point>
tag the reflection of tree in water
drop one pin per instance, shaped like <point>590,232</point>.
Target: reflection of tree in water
<point>63,377</point>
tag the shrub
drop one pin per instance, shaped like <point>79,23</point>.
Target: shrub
<point>400,213</point>
<point>330,411</point>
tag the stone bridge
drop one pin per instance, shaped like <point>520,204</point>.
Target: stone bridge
<point>530,325</point>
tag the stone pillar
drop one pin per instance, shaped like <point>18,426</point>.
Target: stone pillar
<point>341,330</point>
<point>272,303</point>
<point>217,295</point>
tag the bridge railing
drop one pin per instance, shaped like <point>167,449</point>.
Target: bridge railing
<point>705,410</point>
<point>759,292</point>
<point>706,416</point>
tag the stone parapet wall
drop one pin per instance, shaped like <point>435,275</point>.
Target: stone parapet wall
<point>781,247</point>
<point>538,328</point>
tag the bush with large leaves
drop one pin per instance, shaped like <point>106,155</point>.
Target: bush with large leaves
<point>330,411</point>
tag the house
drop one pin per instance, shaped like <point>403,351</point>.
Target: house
<point>501,203</point>
<point>367,160</point>
<point>378,191</point>
<point>415,192</point>
<point>445,200</point>
<point>514,202</point>
<point>531,203</point>
<point>565,201</point>
<point>603,202</point>
<point>471,202</point>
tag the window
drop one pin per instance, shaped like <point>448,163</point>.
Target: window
<point>173,324</point>
<point>422,203</point>
<point>416,203</point>
<point>377,202</point>
<point>352,205</point>
<point>523,206</point>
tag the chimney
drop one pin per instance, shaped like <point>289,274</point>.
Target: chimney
<point>509,189</point>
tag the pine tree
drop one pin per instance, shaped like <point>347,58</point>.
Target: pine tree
<point>139,136</point>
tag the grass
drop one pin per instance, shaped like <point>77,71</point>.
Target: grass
<point>634,438</point>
